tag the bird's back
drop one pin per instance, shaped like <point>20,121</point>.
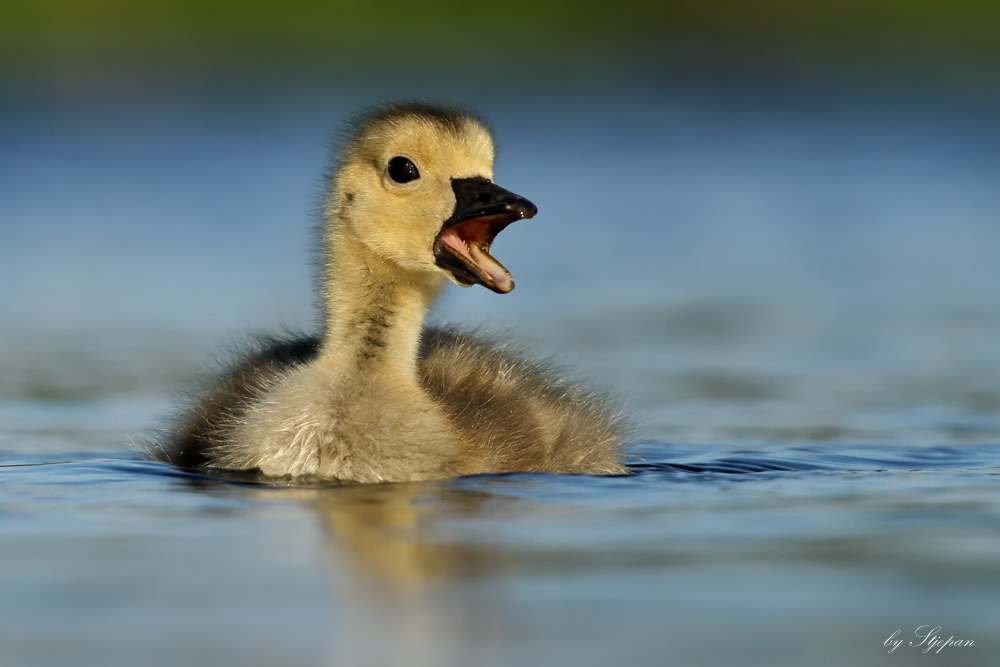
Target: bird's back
<point>204,426</point>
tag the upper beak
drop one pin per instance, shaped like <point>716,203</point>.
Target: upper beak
<point>478,198</point>
<point>482,210</point>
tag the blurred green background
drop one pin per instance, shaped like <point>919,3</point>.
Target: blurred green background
<point>190,34</point>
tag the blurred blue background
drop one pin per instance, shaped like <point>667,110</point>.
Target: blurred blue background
<point>764,226</point>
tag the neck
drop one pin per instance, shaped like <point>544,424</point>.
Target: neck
<point>374,310</point>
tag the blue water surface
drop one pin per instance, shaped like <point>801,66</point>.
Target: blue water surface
<point>792,289</point>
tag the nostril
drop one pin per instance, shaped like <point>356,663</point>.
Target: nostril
<point>483,197</point>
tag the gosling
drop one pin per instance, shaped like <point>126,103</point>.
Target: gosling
<point>377,396</point>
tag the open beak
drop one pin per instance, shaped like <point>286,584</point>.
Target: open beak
<point>482,210</point>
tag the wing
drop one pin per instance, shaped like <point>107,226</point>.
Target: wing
<point>517,413</point>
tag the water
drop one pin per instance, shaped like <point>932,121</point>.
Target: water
<point>793,291</point>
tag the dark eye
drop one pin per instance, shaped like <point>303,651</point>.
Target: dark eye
<point>402,170</point>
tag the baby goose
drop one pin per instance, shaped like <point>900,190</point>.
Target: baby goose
<point>377,396</point>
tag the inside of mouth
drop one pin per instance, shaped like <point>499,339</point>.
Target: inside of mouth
<point>471,241</point>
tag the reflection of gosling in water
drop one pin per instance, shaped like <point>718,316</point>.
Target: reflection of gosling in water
<point>378,397</point>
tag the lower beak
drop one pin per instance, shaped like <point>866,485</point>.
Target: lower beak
<point>482,210</point>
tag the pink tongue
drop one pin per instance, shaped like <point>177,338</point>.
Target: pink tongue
<point>494,269</point>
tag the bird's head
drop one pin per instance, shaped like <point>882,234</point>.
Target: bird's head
<point>415,186</point>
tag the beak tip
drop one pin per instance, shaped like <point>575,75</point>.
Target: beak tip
<point>525,209</point>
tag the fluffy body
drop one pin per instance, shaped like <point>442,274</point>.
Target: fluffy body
<point>377,396</point>
<point>482,409</point>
